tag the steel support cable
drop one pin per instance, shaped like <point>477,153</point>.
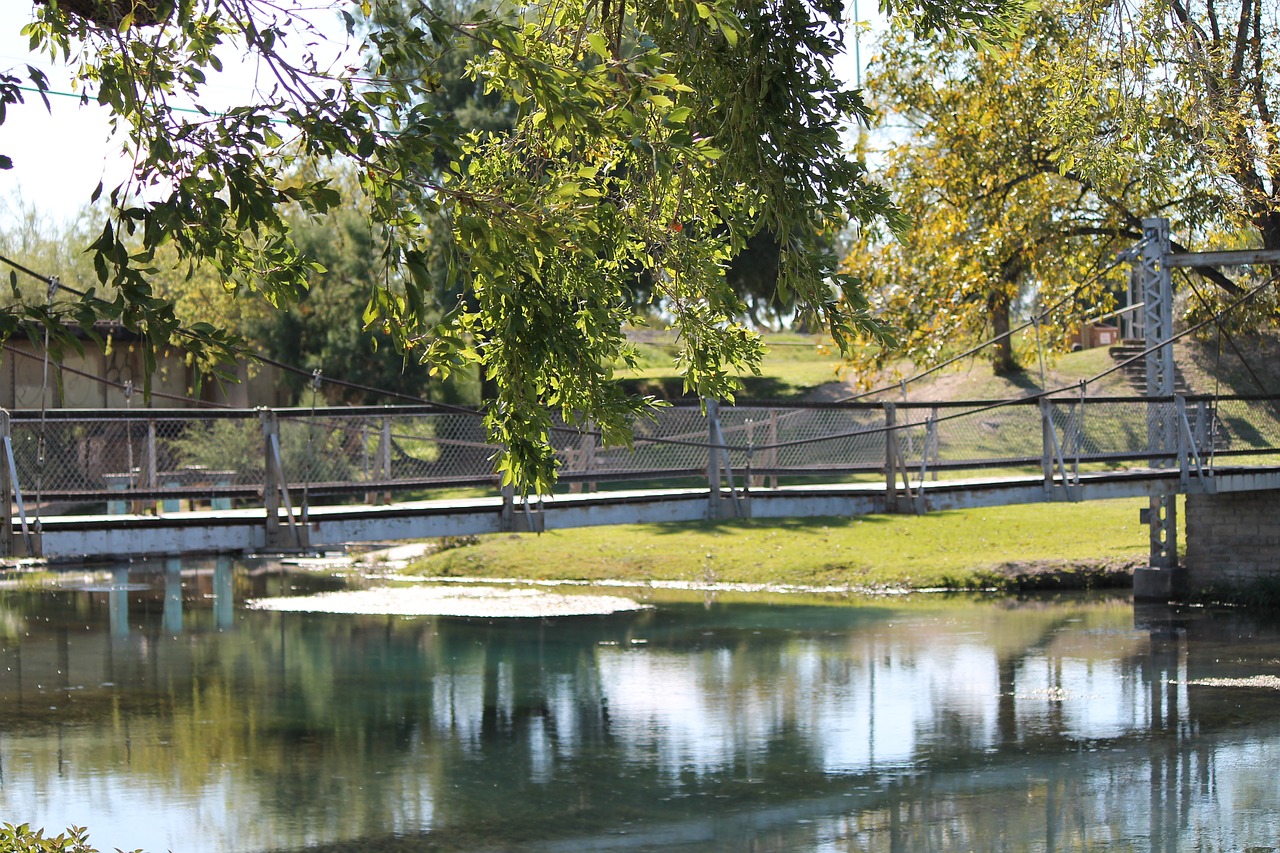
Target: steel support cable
<point>1034,321</point>
<point>356,386</point>
<point>651,440</point>
<point>1222,331</point>
<point>452,408</point>
<point>972,351</point>
<point>245,351</point>
<point>987,407</point>
<point>461,410</point>
<point>902,383</point>
<point>777,445</point>
<point>993,341</point>
<point>467,410</point>
<point>121,386</point>
<point>1231,342</point>
<point>1211,428</point>
<point>301,372</point>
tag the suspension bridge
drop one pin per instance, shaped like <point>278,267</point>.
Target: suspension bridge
<point>181,481</point>
<point>106,484</point>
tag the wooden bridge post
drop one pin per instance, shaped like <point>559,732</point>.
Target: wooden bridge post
<point>384,456</point>
<point>1046,444</point>
<point>890,457</point>
<point>153,478</point>
<point>1185,453</point>
<point>11,494</point>
<point>274,488</point>
<point>6,488</point>
<point>508,522</point>
<point>270,481</point>
<point>772,456</point>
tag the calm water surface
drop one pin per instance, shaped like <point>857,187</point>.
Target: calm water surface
<point>168,717</point>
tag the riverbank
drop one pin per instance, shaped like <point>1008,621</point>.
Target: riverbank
<point>1011,548</point>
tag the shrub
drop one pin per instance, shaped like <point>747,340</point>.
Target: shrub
<point>23,839</point>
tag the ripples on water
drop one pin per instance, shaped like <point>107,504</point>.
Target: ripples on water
<point>168,717</point>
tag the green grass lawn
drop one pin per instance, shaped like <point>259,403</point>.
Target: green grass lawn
<point>955,549</point>
<point>793,365</point>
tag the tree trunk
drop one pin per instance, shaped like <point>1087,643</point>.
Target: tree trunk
<point>1002,361</point>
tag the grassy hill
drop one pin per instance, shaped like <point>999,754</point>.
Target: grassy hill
<point>808,367</point>
<point>794,366</point>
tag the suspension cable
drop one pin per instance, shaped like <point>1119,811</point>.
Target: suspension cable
<point>1044,393</point>
<point>658,440</point>
<point>974,350</point>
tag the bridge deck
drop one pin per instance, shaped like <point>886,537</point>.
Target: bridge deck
<point>331,527</point>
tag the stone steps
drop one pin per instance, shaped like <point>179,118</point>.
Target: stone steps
<point>1136,371</point>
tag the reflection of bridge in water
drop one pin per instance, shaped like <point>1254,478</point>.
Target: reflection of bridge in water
<point>889,725</point>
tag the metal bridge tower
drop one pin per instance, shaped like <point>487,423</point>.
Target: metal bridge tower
<point>1155,285</point>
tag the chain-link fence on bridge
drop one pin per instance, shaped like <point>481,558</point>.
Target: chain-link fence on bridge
<point>163,460</point>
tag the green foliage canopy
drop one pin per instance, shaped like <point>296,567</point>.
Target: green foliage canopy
<point>1001,219</point>
<point>1191,82</point>
<point>658,135</point>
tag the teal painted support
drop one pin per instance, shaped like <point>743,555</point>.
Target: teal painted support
<point>118,602</point>
<point>119,483</point>
<point>223,592</point>
<point>173,595</point>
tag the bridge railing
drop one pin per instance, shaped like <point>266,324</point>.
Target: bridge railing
<point>160,460</point>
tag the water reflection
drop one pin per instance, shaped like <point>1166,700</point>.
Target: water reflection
<point>933,724</point>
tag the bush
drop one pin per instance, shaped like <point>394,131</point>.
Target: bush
<point>22,839</point>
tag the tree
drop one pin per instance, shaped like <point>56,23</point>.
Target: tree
<point>998,223</point>
<point>317,334</point>
<point>1194,82</point>
<point>658,135</point>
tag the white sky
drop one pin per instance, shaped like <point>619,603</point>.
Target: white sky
<point>59,155</point>
<point>62,153</point>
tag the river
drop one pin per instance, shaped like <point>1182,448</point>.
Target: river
<point>159,711</point>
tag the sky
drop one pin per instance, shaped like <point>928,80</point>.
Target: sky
<point>59,155</point>
<point>62,153</point>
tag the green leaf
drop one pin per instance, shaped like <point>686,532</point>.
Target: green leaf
<point>598,45</point>
<point>678,116</point>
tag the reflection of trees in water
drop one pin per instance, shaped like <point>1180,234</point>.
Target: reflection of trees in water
<point>887,728</point>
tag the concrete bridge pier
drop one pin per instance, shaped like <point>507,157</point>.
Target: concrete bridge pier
<point>1233,540</point>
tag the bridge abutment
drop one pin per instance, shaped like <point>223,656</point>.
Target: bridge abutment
<point>1233,539</point>
<point>1159,583</point>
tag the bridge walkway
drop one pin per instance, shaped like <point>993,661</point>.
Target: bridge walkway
<point>332,527</point>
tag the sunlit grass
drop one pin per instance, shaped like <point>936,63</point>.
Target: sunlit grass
<point>793,364</point>
<point>958,549</point>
